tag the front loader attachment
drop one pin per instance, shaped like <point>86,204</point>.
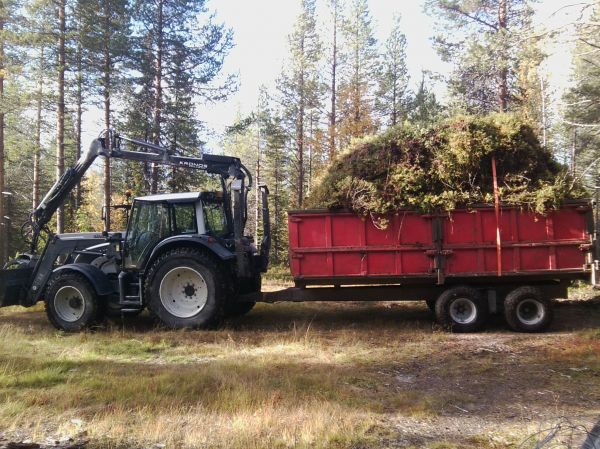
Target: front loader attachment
<point>14,284</point>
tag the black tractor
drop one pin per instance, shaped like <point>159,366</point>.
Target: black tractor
<point>184,256</point>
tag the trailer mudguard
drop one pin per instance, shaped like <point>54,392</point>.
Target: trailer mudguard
<point>202,241</point>
<point>94,275</point>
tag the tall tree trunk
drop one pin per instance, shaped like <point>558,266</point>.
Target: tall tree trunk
<point>79,95</point>
<point>38,133</point>
<point>300,143</point>
<point>544,114</point>
<point>3,227</point>
<point>334,63</point>
<point>503,73</point>
<point>158,89</point>
<point>573,151</point>
<point>106,94</point>
<point>60,120</point>
<point>311,151</point>
<point>394,103</point>
<point>256,189</point>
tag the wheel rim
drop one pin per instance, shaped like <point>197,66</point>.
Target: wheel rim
<point>183,292</point>
<point>69,304</point>
<point>463,311</point>
<point>531,311</point>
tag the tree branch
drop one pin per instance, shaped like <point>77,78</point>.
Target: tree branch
<point>456,9</point>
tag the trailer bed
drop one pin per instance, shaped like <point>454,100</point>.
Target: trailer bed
<point>342,248</point>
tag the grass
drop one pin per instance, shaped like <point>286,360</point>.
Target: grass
<point>296,376</point>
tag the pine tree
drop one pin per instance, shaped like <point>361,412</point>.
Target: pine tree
<point>276,175</point>
<point>60,113</point>
<point>356,101</point>
<point>424,108</point>
<point>581,126</point>
<point>40,43</point>
<point>300,90</point>
<point>172,37</point>
<point>391,99</point>
<point>7,9</point>
<point>335,61</point>
<point>485,40</point>
<point>104,32</point>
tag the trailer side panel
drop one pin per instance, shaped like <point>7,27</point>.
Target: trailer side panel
<point>343,248</point>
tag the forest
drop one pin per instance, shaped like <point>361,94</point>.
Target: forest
<point>151,65</point>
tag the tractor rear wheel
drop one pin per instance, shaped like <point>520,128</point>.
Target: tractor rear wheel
<point>185,289</point>
<point>71,302</point>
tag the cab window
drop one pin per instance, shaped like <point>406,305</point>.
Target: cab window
<point>215,219</point>
<point>184,219</point>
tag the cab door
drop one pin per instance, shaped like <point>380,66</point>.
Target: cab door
<point>150,223</point>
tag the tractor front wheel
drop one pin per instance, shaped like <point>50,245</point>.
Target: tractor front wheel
<point>71,302</point>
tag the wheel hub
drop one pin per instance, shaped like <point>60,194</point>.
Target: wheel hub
<point>183,292</point>
<point>463,311</point>
<point>69,303</point>
<point>530,311</point>
<point>189,290</point>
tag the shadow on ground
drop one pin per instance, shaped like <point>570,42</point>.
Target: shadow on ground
<point>401,316</point>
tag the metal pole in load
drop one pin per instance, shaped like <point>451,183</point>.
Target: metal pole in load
<point>497,209</point>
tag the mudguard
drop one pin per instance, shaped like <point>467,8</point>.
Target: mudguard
<point>94,275</point>
<point>202,241</point>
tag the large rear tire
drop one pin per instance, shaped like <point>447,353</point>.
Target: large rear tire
<point>461,309</point>
<point>71,302</point>
<point>185,289</point>
<point>526,310</point>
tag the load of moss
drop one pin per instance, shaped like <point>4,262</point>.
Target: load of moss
<point>445,167</point>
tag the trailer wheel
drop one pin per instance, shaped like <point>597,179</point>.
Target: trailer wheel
<point>185,289</point>
<point>71,302</point>
<point>526,310</point>
<point>461,309</point>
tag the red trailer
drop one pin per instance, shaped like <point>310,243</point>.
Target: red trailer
<point>465,263</point>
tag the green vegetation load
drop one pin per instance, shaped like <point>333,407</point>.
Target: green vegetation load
<point>444,167</point>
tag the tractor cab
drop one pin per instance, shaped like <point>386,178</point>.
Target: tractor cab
<point>155,218</point>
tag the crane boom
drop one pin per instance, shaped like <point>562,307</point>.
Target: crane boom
<point>109,145</point>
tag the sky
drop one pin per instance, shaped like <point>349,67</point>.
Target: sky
<point>261,28</point>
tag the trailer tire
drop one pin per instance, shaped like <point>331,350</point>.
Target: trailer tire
<point>461,309</point>
<point>186,289</point>
<point>526,310</point>
<point>71,302</point>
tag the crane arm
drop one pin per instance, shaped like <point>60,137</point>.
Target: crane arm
<point>109,145</point>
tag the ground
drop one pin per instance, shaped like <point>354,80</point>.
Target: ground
<point>357,375</point>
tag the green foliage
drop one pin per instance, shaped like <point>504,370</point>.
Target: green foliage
<point>392,78</point>
<point>446,166</point>
<point>582,112</point>
<point>494,52</point>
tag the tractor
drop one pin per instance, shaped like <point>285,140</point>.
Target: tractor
<point>183,256</point>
